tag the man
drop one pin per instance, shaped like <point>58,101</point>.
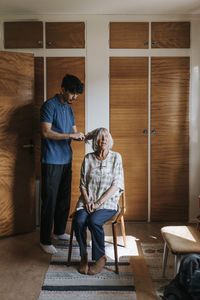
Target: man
<point>58,129</point>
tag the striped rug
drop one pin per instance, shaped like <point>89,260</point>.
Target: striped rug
<point>153,254</point>
<point>64,282</point>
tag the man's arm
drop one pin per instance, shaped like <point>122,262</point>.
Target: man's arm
<point>48,133</point>
<point>74,129</point>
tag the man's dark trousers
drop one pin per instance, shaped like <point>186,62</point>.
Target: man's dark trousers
<point>56,196</point>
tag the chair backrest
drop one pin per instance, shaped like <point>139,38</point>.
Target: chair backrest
<point>122,205</point>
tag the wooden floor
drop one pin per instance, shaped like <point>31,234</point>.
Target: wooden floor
<point>23,264</point>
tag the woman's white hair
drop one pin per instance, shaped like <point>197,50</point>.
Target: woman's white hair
<point>95,136</point>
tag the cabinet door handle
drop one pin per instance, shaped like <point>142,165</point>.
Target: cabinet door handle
<point>153,131</point>
<point>146,43</point>
<point>39,43</point>
<point>49,43</point>
<point>28,146</point>
<point>145,131</point>
<point>154,43</point>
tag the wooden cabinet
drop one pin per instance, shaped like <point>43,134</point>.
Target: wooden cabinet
<point>65,35</point>
<point>129,35</point>
<point>57,67</point>
<point>30,35</point>
<point>170,34</point>
<point>58,35</point>
<point>170,138</point>
<point>23,35</point>
<point>128,126</point>
<point>169,135</point>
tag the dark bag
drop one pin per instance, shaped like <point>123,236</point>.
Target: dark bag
<point>194,286</point>
<point>186,284</point>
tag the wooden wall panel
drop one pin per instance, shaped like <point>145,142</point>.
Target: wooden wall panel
<point>65,35</point>
<point>57,68</point>
<point>39,99</point>
<point>129,35</point>
<point>128,120</point>
<point>23,35</point>
<point>170,34</point>
<point>170,143</point>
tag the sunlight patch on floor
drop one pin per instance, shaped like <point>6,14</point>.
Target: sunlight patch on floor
<point>130,250</point>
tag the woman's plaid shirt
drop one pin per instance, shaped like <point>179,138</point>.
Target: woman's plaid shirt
<point>97,176</point>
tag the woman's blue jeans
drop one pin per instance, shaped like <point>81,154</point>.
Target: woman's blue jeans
<point>95,221</point>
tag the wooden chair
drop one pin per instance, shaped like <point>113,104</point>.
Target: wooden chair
<point>117,218</point>
<point>180,240</point>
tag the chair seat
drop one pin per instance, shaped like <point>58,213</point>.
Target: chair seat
<point>181,239</point>
<point>113,219</point>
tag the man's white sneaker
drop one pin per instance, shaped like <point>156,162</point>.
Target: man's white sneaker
<point>64,237</point>
<point>48,248</point>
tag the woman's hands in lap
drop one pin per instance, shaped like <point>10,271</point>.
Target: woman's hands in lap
<point>91,207</point>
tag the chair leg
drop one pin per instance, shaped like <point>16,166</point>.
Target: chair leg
<point>165,256</point>
<point>177,262</point>
<point>70,244</point>
<point>123,231</point>
<point>115,246</point>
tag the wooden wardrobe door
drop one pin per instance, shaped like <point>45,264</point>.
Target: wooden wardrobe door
<point>128,120</point>
<point>57,68</point>
<point>39,99</point>
<point>170,34</point>
<point>17,177</point>
<point>170,140</point>
<point>124,35</point>
<point>23,35</point>
<point>65,35</point>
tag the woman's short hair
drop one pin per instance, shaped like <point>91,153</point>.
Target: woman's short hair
<point>95,135</point>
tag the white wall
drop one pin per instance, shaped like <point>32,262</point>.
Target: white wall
<point>97,54</point>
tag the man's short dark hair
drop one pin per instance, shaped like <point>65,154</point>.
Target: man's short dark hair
<point>72,84</point>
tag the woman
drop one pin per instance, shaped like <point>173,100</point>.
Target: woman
<point>101,185</point>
